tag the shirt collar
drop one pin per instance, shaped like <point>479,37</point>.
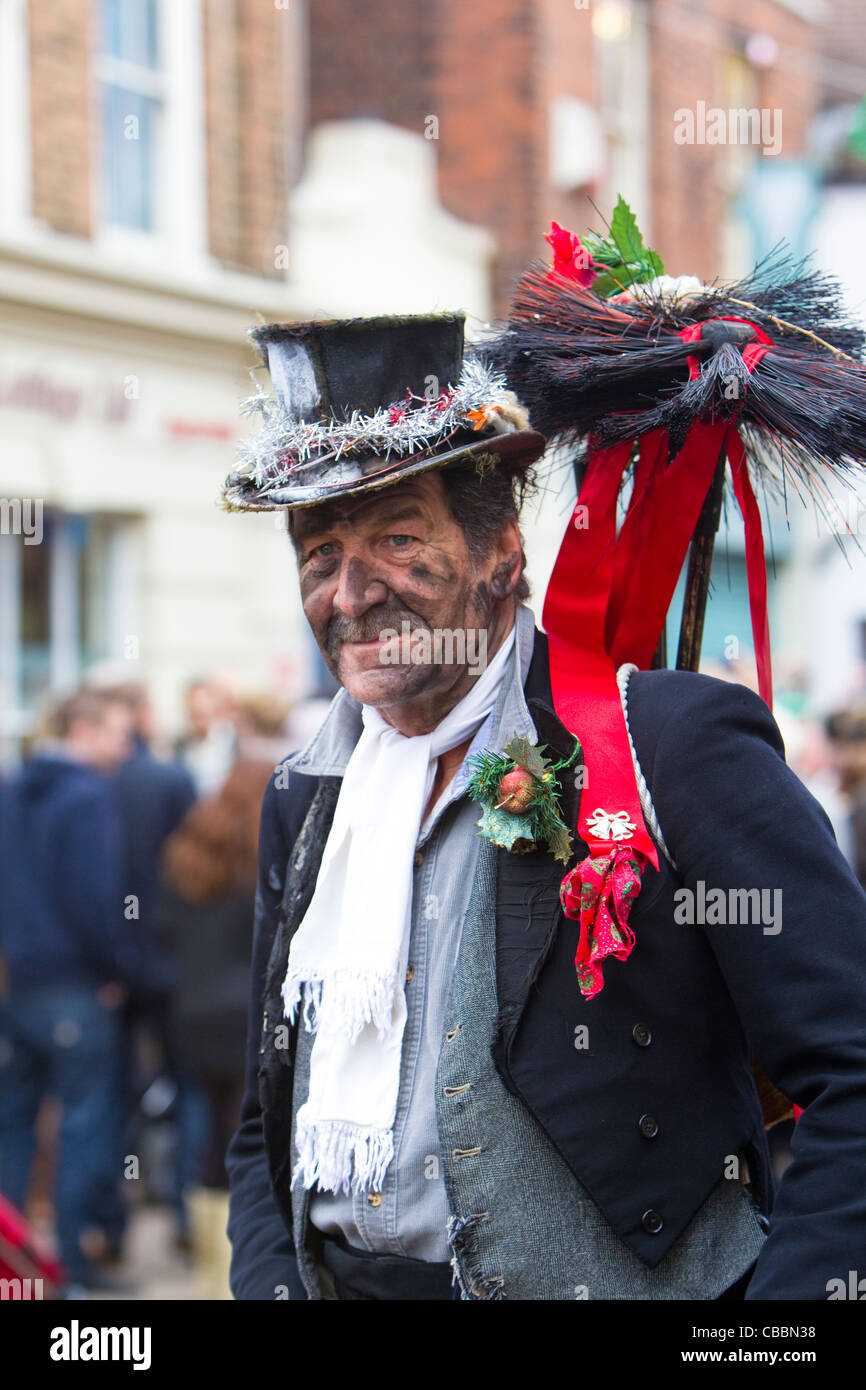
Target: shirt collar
<point>328,752</point>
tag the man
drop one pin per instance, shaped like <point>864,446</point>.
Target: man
<point>428,1093</point>
<point>152,797</point>
<point>70,957</point>
<point>209,747</point>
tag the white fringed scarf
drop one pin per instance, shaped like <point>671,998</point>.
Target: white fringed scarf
<point>348,957</point>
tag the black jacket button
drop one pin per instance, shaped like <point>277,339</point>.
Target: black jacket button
<point>652,1222</point>
<point>642,1035</point>
<point>649,1126</point>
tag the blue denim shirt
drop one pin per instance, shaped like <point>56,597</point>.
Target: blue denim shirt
<point>410,1215</point>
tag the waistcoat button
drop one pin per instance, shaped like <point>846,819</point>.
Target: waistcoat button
<point>652,1222</point>
<point>374,1198</point>
<point>649,1126</point>
<point>642,1035</point>
<point>419,858</point>
<point>410,974</point>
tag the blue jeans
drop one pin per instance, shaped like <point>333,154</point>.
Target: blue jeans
<point>59,1040</point>
<point>193,1121</point>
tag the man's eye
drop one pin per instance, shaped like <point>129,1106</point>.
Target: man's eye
<point>320,550</point>
<point>407,540</point>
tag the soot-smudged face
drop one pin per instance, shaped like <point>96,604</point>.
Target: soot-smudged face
<point>371,564</point>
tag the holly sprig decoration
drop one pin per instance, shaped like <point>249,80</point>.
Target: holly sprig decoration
<point>607,265</point>
<point>519,790</point>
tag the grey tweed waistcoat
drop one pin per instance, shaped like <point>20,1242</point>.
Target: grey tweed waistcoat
<point>521,1225</point>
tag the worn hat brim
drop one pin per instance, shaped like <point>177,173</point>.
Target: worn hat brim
<point>376,472</point>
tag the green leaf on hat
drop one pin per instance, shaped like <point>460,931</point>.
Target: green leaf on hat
<point>626,233</point>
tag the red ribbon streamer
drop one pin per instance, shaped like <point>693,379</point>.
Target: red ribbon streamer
<point>756,567</point>
<point>582,675</point>
<point>673,503</point>
<point>606,604</point>
<point>635,532</point>
<point>662,515</point>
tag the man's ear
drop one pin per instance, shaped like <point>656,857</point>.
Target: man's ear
<point>507,562</point>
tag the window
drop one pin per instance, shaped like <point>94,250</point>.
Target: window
<point>65,602</point>
<point>621,50</point>
<point>129,30</point>
<point>131,100</point>
<point>149,101</point>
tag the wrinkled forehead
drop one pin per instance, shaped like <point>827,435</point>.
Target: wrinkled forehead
<point>398,503</point>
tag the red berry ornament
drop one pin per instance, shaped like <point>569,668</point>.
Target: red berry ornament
<point>516,791</point>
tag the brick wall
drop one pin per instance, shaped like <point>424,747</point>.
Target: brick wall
<point>61,136</point>
<point>247,122</point>
<point>842,70</point>
<point>470,68</point>
<point>486,71</point>
<point>491,146</point>
<point>374,58</point>
<point>222,121</point>
<point>489,70</point>
<point>261,132</point>
<point>481,70</point>
<point>692,53</point>
<point>246,56</point>
<point>843,43</point>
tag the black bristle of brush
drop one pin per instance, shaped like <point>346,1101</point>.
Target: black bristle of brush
<point>582,365</point>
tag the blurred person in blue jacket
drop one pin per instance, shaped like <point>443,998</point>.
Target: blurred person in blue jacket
<point>153,795</point>
<point>70,957</point>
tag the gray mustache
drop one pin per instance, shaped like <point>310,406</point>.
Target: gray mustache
<point>368,626</point>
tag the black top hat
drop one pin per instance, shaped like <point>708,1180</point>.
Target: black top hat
<point>362,403</point>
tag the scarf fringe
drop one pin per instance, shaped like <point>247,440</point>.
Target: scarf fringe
<point>341,1157</point>
<point>355,999</point>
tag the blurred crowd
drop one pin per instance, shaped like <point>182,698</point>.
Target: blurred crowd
<point>845,732</point>
<point>126,918</point>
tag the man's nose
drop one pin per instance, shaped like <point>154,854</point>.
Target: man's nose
<point>358,588</point>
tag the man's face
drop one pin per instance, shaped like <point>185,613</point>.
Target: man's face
<point>373,563</point>
<point>200,709</point>
<point>106,742</point>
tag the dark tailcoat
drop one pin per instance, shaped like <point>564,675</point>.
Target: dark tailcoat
<point>647,1113</point>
